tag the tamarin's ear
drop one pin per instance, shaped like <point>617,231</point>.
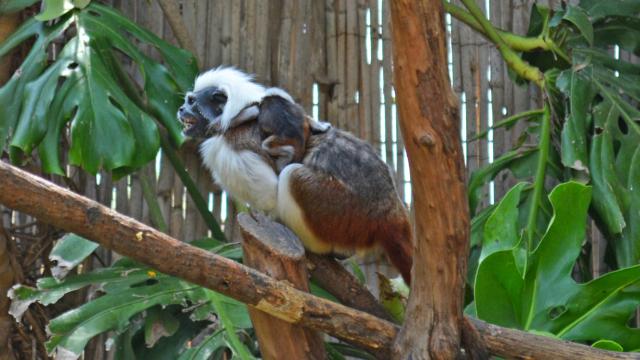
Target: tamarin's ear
<point>318,127</point>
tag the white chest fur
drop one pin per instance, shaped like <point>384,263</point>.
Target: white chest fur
<point>243,174</point>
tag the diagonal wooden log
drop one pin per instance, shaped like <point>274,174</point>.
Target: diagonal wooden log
<point>62,208</point>
<point>334,278</point>
<point>52,204</point>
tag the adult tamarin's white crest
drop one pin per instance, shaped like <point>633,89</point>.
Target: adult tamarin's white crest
<point>328,186</point>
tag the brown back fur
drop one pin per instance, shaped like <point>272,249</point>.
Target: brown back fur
<point>349,199</point>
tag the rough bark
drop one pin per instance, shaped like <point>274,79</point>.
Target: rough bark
<point>516,344</point>
<point>74,213</point>
<point>273,249</point>
<point>429,125</point>
<point>71,212</point>
<point>8,24</point>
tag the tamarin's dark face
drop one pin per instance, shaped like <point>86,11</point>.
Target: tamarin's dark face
<point>200,113</point>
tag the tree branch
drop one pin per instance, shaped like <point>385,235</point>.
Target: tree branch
<point>432,328</point>
<point>511,343</point>
<point>334,278</point>
<point>62,208</point>
<point>171,11</point>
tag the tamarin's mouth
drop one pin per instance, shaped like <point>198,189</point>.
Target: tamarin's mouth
<point>188,122</point>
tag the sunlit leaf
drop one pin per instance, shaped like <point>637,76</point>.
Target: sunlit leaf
<point>112,123</point>
<point>68,252</point>
<point>607,345</point>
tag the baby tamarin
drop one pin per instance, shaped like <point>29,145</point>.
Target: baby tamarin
<point>328,186</point>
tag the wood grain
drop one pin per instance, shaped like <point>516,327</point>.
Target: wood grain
<point>273,249</point>
<point>64,209</point>
<point>429,124</point>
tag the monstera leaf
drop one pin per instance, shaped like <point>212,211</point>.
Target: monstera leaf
<point>601,134</point>
<point>111,121</point>
<point>535,291</point>
<point>595,100</point>
<point>132,291</point>
<point>68,252</point>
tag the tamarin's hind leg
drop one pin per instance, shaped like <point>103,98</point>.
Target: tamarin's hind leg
<point>396,243</point>
<point>328,217</point>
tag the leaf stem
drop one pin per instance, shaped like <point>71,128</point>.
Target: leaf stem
<point>174,159</point>
<point>515,42</point>
<point>152,201</point>
<point>538,186</point>
<point>229,327</point>
<point>192,188</point>
<point>512,59</point>
<point>509,121</point>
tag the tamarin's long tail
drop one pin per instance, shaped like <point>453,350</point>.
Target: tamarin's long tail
<point>397,243</point>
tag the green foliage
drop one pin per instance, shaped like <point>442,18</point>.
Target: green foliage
<point>12,6</point>
<point>135,293</point>
<point>56,8</point>
<point>87,89</point>
<point>535,291</point>
<point>594,98</point>
<point>393,296</point>
<point>601,136</point>
<point>153,316</point>
<point>68,252</point>
<point>525,248</point>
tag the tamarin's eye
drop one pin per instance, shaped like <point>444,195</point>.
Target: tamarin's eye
<point>191,99</point>
<point>219,97</point>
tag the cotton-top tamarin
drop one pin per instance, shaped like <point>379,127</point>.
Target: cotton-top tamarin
<point>328,186</point>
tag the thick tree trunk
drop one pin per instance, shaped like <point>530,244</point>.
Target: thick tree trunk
<point>429,124</point>
<point>8,24</point>
<point>273,249</point>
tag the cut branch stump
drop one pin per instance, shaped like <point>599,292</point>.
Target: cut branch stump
<point>273,249</point>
